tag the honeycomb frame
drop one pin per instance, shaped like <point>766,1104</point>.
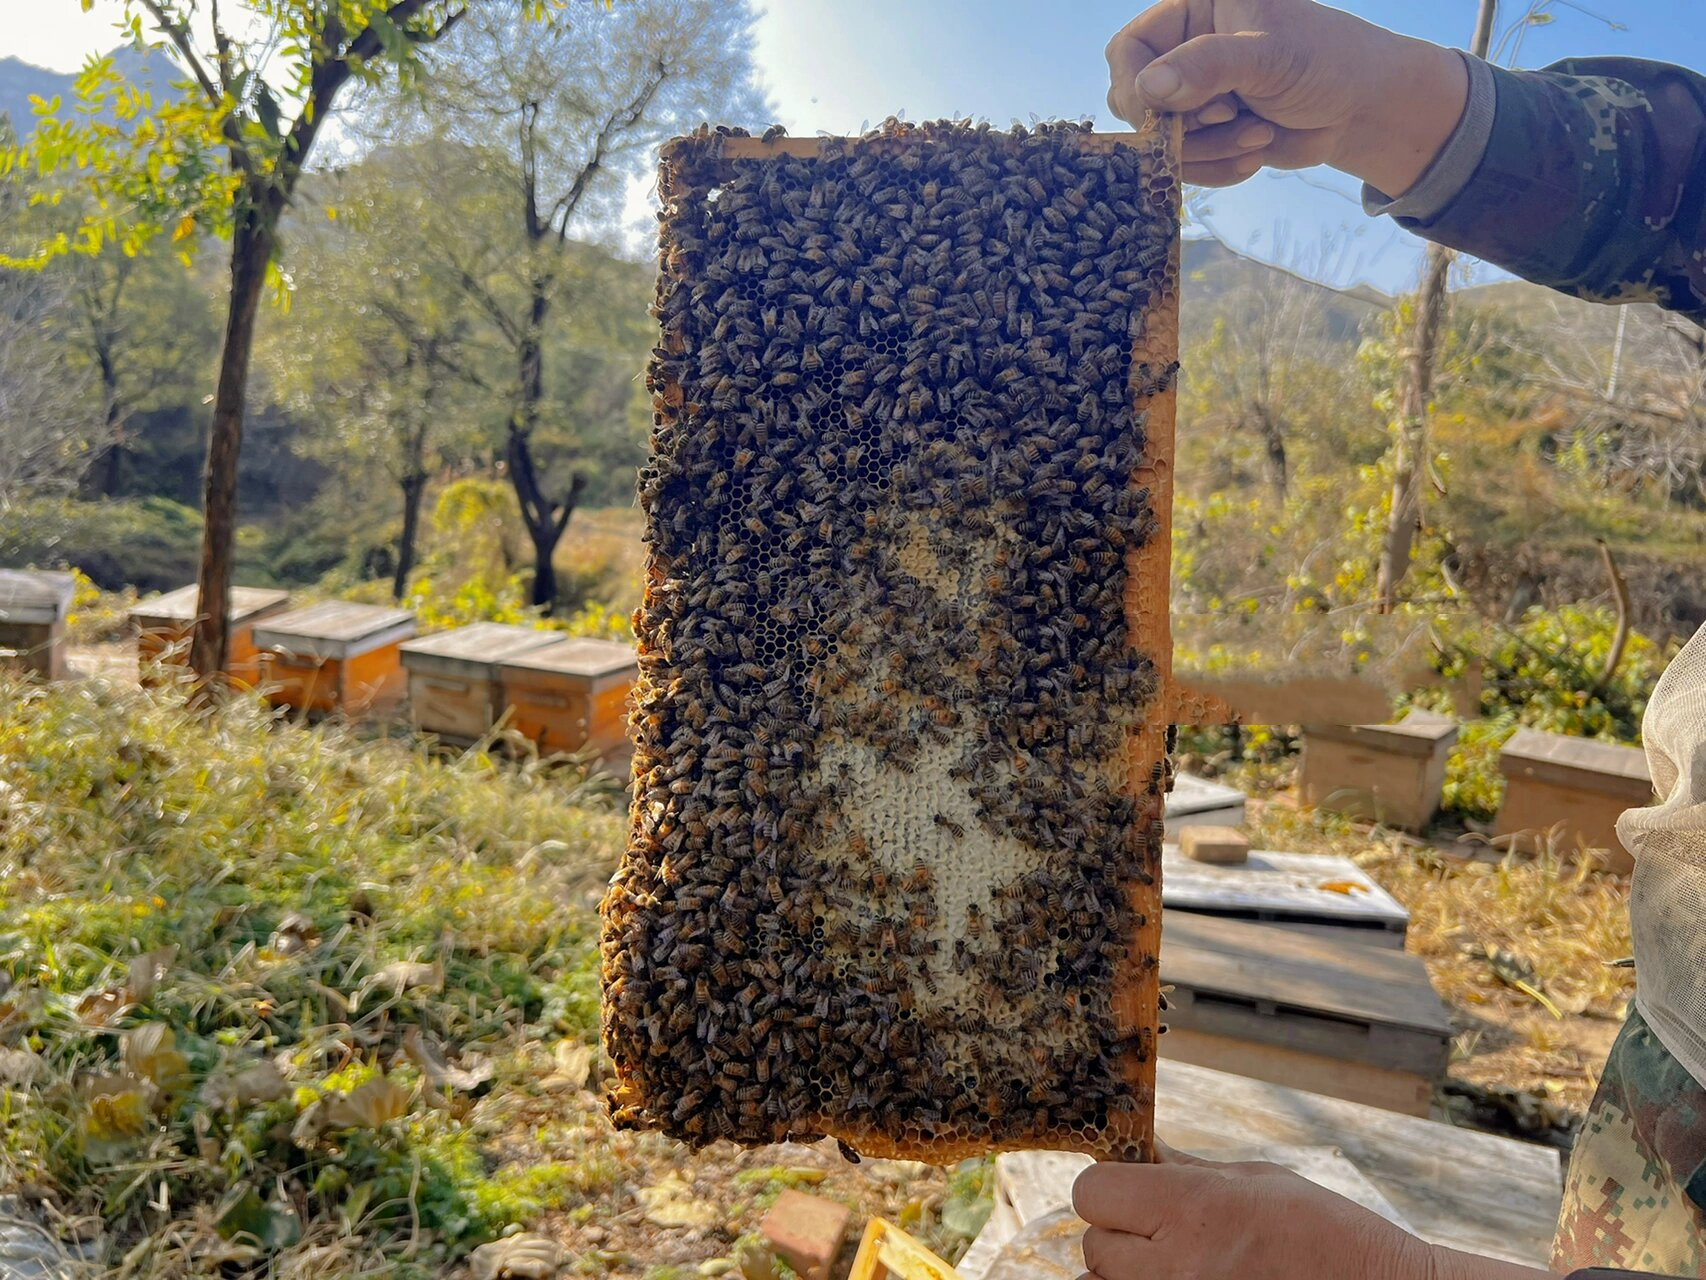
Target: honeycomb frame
<point>684,1063</point>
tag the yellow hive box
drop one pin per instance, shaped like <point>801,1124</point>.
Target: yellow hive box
<point>165,624</point>
<point>454,689</point>
<point>334,657</point>
<point>572,695</point>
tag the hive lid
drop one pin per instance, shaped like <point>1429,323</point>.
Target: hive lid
<point>471,649</point>
<point>183,605</point>
<point>1419,733</point>
<point>1264,964</point>
<point>35,596</point>
<point>1559,754</point>
<point>590,659</point>
<point>1275,885</point>
<point>336,629</point>
<point>1192,795</point>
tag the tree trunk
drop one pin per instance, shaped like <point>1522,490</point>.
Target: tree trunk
<point>1404,521</point>
<point>112,469</point>
<point>1273,443</point>
<point>106,469</point>
<point>1620,637</point>
<point>251,250</point>
<point>414,489</point>
<point>545,520</point>
<point>1405,518</point>
<point>544,594</point>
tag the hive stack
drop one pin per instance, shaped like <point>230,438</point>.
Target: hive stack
<point>904,648</point>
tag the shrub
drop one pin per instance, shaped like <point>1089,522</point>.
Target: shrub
<point>152,544</point>
<point>1547,671</point>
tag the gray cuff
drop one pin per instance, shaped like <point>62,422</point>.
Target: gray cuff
<point>1457,161</point>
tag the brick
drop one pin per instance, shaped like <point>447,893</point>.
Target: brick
<point>807,1232</point>
<point>1219,846</point>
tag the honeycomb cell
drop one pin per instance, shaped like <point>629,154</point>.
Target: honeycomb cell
<point>889,811</point>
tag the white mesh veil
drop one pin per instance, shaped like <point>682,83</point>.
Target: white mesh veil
<point>1667,906</point>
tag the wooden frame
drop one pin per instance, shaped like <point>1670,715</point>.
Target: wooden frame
<point>1149,569</point>
<point>888,1253</point>
<point>1135,991</point>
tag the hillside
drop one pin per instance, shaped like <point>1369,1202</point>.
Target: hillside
<point>20,81</point>
<point>1214,275</point>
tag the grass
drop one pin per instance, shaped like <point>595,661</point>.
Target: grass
<point>297,909</point>
<point>280,1000</point>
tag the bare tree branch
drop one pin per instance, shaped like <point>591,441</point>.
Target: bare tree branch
<point>615,124</point>
<point>179,34</point>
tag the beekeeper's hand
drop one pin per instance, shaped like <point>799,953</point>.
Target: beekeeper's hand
<point>1190,1219</point>
<point>1288,83</point>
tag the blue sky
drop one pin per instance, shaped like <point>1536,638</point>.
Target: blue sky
<point>833,65</point>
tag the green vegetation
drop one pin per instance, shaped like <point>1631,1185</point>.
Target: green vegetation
<point>253,978</point>
<point>1545,672</point>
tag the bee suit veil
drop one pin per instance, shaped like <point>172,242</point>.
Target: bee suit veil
<point>1667,905</point>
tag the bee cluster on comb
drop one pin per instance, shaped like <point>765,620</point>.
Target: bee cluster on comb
<point>893,870</point>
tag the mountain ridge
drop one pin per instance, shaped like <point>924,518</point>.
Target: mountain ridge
<point>21,80</point>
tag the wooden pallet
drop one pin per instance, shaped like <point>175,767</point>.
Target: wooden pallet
<point>1313,1013</point>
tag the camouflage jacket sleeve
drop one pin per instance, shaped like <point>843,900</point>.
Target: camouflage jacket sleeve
<point>1589,177</point>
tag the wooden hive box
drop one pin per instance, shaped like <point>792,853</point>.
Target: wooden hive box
<point>1387,773</point>
<point>1199,802</point>
<point>1575,785</point>
<point>1303,892</point>
<point>334,656</point>
<point>454,690</point>
<point>1310,1012</point>
<point>165,623</point>
<point>572,695</point>
<point>34,606</point>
